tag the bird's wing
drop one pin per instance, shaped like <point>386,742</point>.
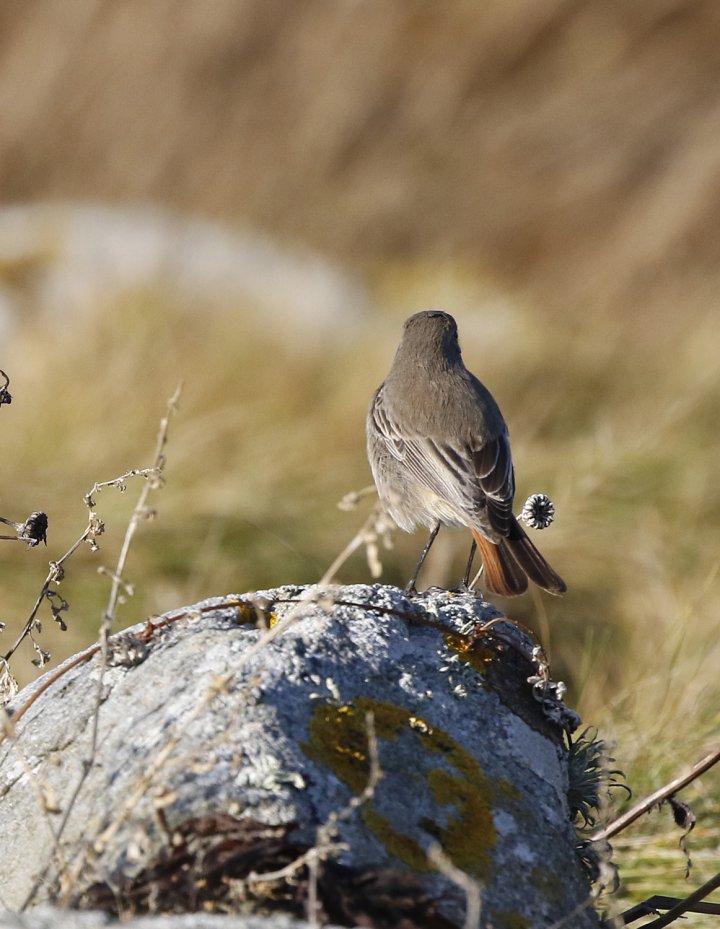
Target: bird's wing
<point>495,474</point>
<point>475,478</point>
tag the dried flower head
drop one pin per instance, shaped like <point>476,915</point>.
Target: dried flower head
<point>34,529</point>
<point>5,396</point>
<point>538,512</point>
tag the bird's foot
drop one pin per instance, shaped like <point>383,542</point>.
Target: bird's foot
<point>463,588</point>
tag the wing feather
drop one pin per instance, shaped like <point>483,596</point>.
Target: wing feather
<point>475,479</point>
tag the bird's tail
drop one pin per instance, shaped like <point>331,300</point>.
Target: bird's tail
<point>503,575</point>
<point>509,564</point>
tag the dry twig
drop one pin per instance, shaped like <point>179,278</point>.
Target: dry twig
<point>153,476</point>
<point>471,887</point>
<point>219,686</point>
<point>376,528</point>
<point>664,793</point>
<point>94,528</point>
<point>687,905</point>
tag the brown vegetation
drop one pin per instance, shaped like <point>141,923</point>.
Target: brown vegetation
<point>546,173</point>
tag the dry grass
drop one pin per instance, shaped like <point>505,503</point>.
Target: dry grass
<point>614,417</point>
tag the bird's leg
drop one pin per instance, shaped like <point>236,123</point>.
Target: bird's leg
<point>410,588</point>
<point>465,583</point>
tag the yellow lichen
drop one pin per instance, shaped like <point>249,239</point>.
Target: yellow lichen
<point>502,919</point>
<point>338,739</point>
<point>460,790</point>
<point>401,846</point>
<point>470,651</point>
<point>245,613</point>
<point>248,614</point>
<point>508,790</point>
<point>549,883</point>
<point>469,835</point>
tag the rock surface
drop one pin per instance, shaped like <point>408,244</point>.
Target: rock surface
<point>234,735</point>
<point>46,917</point>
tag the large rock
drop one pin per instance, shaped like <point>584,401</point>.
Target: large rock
<point>46,917</point>
<point>235,735</point>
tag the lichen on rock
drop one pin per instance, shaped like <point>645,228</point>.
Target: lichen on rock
<point>251,712</point>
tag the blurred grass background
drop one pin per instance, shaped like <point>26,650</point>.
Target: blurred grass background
<point>249,197</point>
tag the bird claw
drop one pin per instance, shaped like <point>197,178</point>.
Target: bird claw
<point>463,588</point>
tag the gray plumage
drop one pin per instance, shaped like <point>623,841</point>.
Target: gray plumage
<point>439,451</point>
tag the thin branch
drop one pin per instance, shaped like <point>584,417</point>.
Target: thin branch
<point>352,546</point>
<point>622,822</point>
<point>567,921</point>
<point>101,842</point>
<point>325,843</point>
<point>374,778</point>
<point>94,528</point>
<point>120,482</point>
<point>470,886</point>
<point>652,905</point>
<point>326,833</point>
<point>44,798</point>
<point>283,873</point>
<point>685,905</point>
<point>375,527</point>
<point>219,686</point>
<point>138,514</point>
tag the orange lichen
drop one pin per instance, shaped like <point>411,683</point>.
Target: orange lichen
<point>470,650</point>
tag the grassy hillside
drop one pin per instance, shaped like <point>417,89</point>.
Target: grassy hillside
<point>614,417</point>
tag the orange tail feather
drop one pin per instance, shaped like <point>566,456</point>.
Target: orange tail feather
<point>509,565</point>
<point>532,562</point>
<point>503,575</point>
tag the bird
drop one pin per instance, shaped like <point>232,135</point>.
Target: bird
<point>439,451</point>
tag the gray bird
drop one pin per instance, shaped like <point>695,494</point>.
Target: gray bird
<point>439,451</point>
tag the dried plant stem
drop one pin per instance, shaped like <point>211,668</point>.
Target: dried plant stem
<point>41,793</point>
<point>566,922</point>
<point>357,540</point>
<point>220,685</point>
<point>283,873</point>
<point>93,528</point>
<point>326,833</point>
<point>142,786</point>
<point>138,514</point>
<point>325,842</point>
<point>471,887</point>
<point>375,527</point>
<point>685,905</point>
<point>622,822</point>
